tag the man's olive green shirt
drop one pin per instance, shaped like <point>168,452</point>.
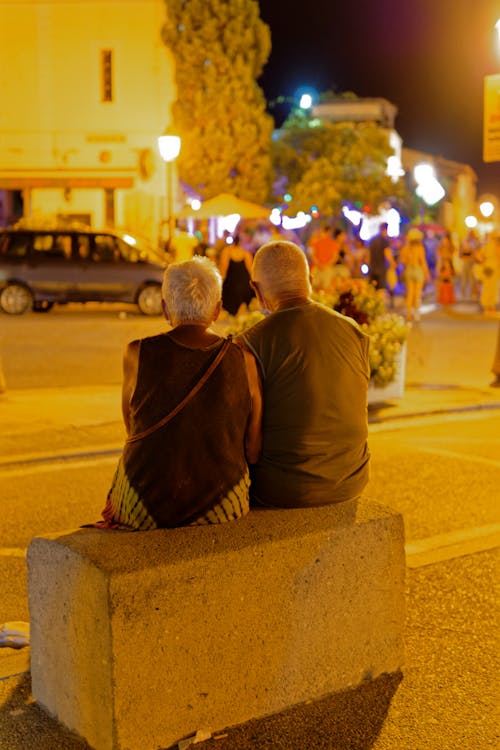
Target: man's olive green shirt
<point>315,369</point>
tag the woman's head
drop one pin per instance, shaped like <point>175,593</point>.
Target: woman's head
<point>191,291</point>
<point>281,272</point>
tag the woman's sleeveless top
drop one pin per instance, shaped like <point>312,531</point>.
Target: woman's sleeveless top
<point>193,469</point>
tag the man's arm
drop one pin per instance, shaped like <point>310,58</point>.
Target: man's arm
<point>130,369</point>
<point>253,436</point>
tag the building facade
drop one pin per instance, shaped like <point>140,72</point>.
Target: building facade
<point>85,90</point>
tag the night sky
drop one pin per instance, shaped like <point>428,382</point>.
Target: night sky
<point>428,57</point>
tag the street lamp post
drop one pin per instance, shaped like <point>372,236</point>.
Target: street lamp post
<point>169,146</point>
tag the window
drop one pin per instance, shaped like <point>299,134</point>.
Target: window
<point>105,249</point>
<point>107,75</point>
<point>14,245</point>
<point>52,246</point>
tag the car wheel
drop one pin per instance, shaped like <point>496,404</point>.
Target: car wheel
<point>42,306</point>
<point>16,299</point>
<point>149,300</point>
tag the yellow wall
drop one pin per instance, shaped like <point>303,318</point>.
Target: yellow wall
<point>53,123</point>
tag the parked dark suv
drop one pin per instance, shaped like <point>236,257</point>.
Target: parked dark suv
<point>39,268</point>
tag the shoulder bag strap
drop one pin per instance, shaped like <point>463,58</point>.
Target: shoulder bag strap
<point>145,433</point>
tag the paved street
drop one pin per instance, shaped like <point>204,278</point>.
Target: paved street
<point>58,447</point>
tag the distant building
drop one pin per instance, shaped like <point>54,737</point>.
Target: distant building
<point>356,109</point>
<point>459,180</point>
<point>85,90</point>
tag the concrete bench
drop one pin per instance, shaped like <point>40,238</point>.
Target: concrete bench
<point>139,639</point>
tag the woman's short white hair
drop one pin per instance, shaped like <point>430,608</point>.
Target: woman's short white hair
<point>281,268</point>
<point>191,290</point>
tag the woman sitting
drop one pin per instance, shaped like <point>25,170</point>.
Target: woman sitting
<point>192,410</point>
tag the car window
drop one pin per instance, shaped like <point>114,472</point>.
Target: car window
<point>106,249</point>
<point>14,245</point>
<point>127,252</point>
<point>83,246</point>
<point>52,246</point>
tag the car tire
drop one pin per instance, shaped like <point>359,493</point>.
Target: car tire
<point>43,306</point>
<point>16,299</point>
<point>149,299</point>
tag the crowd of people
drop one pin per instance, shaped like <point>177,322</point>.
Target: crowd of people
<point>448,270</point>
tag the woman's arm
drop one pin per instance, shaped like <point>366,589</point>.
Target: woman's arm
<point>253,436</point>
<point>224,262</point>
<point>130,368</point>
<point>423,260</point>
<point>248,261</point>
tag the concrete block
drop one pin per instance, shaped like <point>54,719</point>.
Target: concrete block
<point>139,639</point>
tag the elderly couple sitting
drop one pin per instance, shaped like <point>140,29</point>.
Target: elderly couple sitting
<point>275,418</point>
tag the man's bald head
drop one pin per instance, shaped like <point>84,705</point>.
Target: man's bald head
<point>280,269</point>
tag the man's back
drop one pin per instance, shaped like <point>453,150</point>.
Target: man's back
<point>315,369</point>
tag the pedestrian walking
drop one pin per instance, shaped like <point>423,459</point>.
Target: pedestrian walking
<point>496,363</point>
<point>468,250</point>
<point>489,272</point>
<point>415,273</point>
<point>235,268</point>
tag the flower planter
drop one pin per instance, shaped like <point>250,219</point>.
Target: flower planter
<point>395,389</point>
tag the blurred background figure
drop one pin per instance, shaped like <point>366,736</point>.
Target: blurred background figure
<point>468,250</point>
<point>341,268</point>
<point>235,267</point>
<point>488,258</point>
<point>182,245</point>
<point>496,363</point>
<point>380,258</point>
<point>445,277</point>
<point>358,257</point>
<point>324,254</point>
<point>445,270</point>
<point>381,263</point>
<point>415,272</point>
<point>220,243</point>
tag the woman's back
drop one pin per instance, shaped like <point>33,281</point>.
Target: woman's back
<point>179,472</point>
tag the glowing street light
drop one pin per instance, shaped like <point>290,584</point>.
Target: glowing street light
<point>169,146</point>
<point>428,188</point>
<point>306,101</point>
<point>487,208</point>
<point>471,222</point>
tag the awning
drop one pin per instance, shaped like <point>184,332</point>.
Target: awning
<point>225,204</point>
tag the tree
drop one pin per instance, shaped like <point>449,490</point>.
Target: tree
<point>220,48</point>
<point>325,164</point>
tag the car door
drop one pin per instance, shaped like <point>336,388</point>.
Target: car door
<point>50,269</point>
<point>99,261</point>
<point>110,269</point>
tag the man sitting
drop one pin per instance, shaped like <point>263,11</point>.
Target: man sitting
<point>315,369</point>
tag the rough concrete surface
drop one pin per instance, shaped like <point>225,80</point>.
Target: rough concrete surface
<point>293,605</point>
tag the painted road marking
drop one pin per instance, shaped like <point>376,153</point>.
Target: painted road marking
<point>46,468</point>
<point>12,552</point>
<point>443,547</point>
<point>29,458</point>
<point>424,420</point>
<point>461,456</point>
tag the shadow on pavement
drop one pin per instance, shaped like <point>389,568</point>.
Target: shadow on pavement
<point>351,720</point>
<point>25,725</point>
